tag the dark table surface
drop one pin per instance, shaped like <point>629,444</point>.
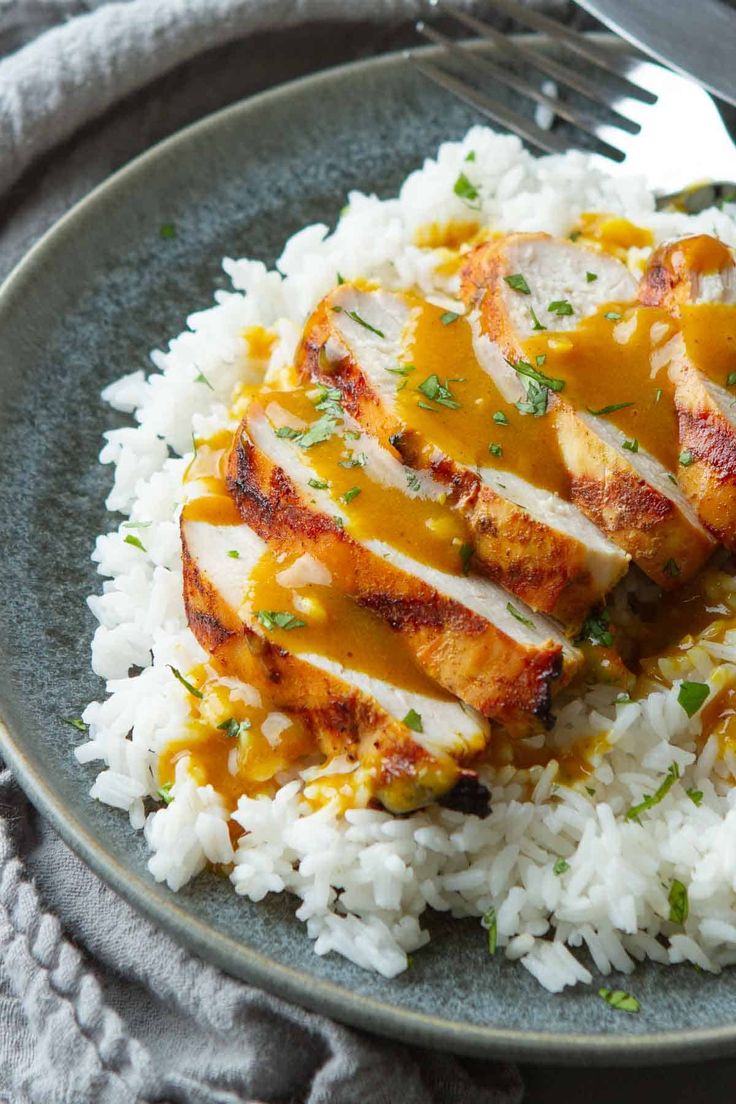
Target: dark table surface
<point>197,88</point>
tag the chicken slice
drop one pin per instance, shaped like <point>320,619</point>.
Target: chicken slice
<point>695,280</point>
<point>411,742</point>
<point>462,630</point>
<point>625,490</point>
<point>696,269</point>
<point>526,537</point>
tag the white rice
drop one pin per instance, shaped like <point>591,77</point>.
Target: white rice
<point>364,880</point>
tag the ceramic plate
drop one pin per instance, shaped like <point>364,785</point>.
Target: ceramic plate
<point>85,306</point>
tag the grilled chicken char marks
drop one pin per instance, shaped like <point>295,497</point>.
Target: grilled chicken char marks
<point>527,539</point>
<point>625,491</point>
<point>695,280</point>
<point>459,629</point>
<point>346,711</point>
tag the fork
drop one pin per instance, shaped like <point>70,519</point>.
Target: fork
<point>637,116</point>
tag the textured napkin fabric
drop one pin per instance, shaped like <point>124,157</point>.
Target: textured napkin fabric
<point>97,1006</point>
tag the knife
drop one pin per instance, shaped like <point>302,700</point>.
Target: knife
<point>697,39</point>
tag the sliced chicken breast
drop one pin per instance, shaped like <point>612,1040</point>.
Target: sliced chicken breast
<point>696,269</point>
<point>462,630</point>
<point>411,741</point>
<point>526,537</point>
<point>695,280</point>
<point>524,284</point>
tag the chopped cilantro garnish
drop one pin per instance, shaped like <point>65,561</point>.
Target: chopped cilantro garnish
<point>318,484</point>
<point>361,321</point>
<point>412,480</point>
<point>560,866</point>
<point>470,156</point>
<point>730,379</point>
<point>234,554</point>
<point>536,324</point>
<point>466,555</point>
<point>448,318</point>
<point>359,460</point>
<point>279,619</point>
<point>519,616</point>
<point>401,369</point>
<point>413,721</point>
<point>164,792</point>
<point>560,306</point>
<point>495,450</point>
<point>595,628</point>
<point>590,277</point>
<point>672,568</point>
<point>288,432</point>
<point>319,431</point>
<point>340,279</point>
<point>678,901</point>
<point>692,696</point>
<point>76,722</point>
<point>659,794</point>
<point>536,400</point>
<point>201,378</point>
<point>489,922</point>
<point>135,541</point>
<point>464,189</point>
<point>167,231</point>
<point>658,394</point>
<point>696,796</point>
<point>518,283</point>
<point>350,494</point>
<point>500,418</point>
<point>617,998</point>
<point>631,445</point>
<point>234,728</point>
<point>185,683</point>
<point>439,392</point>
<point>685,458</point>
<point>609,409</point>
<point>524,368</point>
<point>613,316</point>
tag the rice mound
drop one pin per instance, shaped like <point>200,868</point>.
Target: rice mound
<point>364,880</point>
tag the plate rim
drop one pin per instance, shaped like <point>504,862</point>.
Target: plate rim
<point>236,957</point>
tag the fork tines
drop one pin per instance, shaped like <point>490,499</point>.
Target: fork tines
<point>546,98</point>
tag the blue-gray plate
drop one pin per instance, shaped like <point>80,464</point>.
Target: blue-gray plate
<point>84,307</point>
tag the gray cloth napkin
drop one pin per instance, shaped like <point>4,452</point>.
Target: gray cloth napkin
<point>97,1006</point>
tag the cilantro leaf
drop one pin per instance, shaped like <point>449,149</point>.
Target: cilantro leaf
<point>279,619</point>
<point>519,616</point>
<point>413,721</point>
<point>465,189</point>
<point>619,999</point>
<point>524,368</point>
<point>692,696</point>
<point>518,283</point>
<point>185,683</point>
<point>560,307</point>
<point>678,902</point>
<point>234,728</point>
<point>439,392</point>
<point>489,922</point>
<point>609,409</point>
<point>135,541</point>
<point>659,794</point>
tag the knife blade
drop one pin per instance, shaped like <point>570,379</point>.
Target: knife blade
<point>698,39</point>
